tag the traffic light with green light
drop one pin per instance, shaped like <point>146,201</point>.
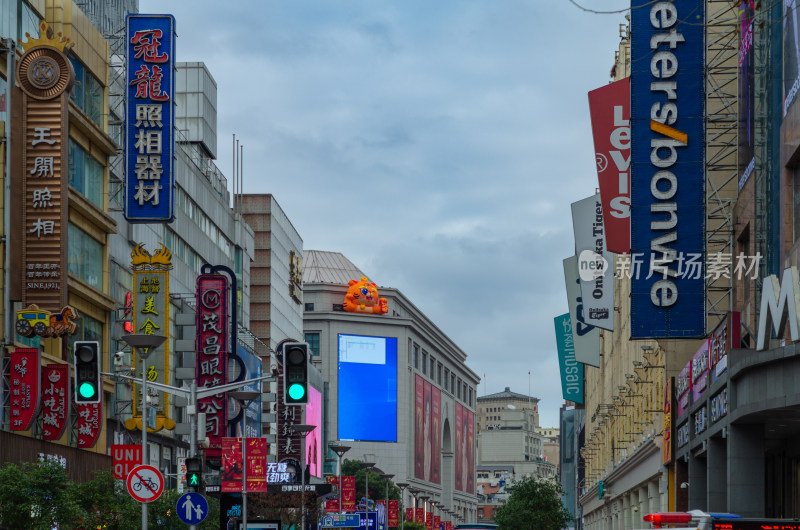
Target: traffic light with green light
<point>88,386</point>
<point>295,373</point>
<point>194,473</point>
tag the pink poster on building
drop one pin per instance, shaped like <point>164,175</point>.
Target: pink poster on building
<point>419,445</point>
<point>470,449</point>
<point>427,435</point>
<point>436,398</point>
<point>314,438</point>
<point>459,449</point>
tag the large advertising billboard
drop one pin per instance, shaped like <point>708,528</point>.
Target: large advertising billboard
<point>747,160</point>
<point>586,337</point>
<point>667,169</point>
<point>150,115</point>
<point>609,107</point>
<point>464,453</point>
<point>252,364</point>
<point>791,53</point>
<point>571,370</point>
<point>314,438</point>
<point>595,263</point>
<point>367,388</point>
<point>427,457</point>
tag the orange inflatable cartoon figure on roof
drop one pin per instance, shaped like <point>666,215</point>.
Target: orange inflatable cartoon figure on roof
<point>362,297</point>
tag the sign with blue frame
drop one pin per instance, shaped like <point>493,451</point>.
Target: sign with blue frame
<point>149,118</point>
<point>341,520</point>
<point>667,261</point>
<point>192,508</point>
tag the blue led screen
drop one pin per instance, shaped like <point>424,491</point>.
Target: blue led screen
<point>367,400</point>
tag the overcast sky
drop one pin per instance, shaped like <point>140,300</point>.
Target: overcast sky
<point>437,144</point>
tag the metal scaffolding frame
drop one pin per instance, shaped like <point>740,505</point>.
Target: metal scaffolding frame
<point>721,148</point>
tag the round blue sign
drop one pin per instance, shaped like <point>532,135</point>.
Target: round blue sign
<point>192,508</point>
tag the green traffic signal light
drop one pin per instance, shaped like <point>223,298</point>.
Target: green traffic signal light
<point>297,391</point>
<point>194,480</point>
<point>87,390</point>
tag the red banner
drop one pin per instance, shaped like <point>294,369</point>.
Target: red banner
<point>437,520</point>
<point>231,472</point>
<point>436,396</point>
<point>55,400</point>
<point>332,506</point>
<point>25,381</point>
<point>410,514</point>
<point>449,525</point>
<point>610,111</point>
<point>348,493</point>
<point>212,351</point>
<point>419,515</point>
<point>393,514</point>
<point>90,423</point>
<point>429,521</point>
<point>256,465</point>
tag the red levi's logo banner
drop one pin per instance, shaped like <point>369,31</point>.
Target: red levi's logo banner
<point>610,111</point>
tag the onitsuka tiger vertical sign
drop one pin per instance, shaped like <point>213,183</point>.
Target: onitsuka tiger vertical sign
<point>667,163</point>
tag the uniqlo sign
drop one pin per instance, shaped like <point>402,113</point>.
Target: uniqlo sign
<point>125,458</point>
<point>609,107</point>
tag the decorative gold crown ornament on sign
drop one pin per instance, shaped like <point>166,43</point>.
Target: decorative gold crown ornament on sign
<point>142,260</point>
<point>43,71</point>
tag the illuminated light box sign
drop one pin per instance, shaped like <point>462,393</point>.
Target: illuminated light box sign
<point>150,118</point>
<point>367,388</point>
<point>667,168</point>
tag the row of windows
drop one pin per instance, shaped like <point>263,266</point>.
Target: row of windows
<point>447,380</point>
<point>85,257</point>
<point>196,214</point>
<point>182,250</point>
<point>85,174</point>
<point>87,92</point>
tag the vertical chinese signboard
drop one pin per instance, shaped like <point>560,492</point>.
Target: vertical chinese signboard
<point>212,342</point>
<point>289,442</point>
<point>45,76</point>
<point>90,423</point>
<point>666,450</point>
<point>256,465</point>
<point>151,317</point>
<point>149,140</point>
<point>56,404</point>
<point>24,380</point>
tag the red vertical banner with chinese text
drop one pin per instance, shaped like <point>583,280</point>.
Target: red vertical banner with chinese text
<point>212,351</point>
<point>90,423</point>
<point>256,465</point>
<point>348,493</point>
<point>231,472</point>
<point>437,521</point>
<point>428,521</point>
<point>55,400</point>
<point>410,514</point>
<point>393,515</point>
<point>419,515</point>
<point>25,381</point>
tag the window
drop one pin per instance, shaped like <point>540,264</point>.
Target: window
<point>87,92</point>
<point>453,383</point>
<point>458,389</point>
<point>416,355</point>
<point>424,362</point>
<point>446,378</point>
<point>88,329</point>
<point>309,306</point>
<point>439,373</point>
<point>470,397</point>
<point>313,342</point>
<point>85,174</point>
<point>433,366</point>
<point>85,258</point>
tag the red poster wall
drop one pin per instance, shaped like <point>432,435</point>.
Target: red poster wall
<point>610,111</point>
<point>419,445</point>
<point>427,434</point>
<point>436,397</point>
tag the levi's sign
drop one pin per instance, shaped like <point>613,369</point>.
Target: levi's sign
<point>667,166</point>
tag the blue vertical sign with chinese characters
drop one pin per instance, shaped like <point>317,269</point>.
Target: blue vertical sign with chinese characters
<point>668,169</point>
<point>150,118</point>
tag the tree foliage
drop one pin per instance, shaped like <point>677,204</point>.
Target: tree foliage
<point>534,504</point>
<point>36,495</point>
<point>377,484</point>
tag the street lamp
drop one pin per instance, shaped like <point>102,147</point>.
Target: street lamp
<point>340,450</point>
<point>367,466</point>
<point>303,430</point>
<point>424,499</point>
<point>144,346</point>
<point>244,397</point>
<point>402,486</point>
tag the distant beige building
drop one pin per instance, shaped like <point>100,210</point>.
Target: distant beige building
<point>507,434</point>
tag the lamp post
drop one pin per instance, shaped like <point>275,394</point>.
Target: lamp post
<point>340,450</point>
<point>424,499</point>
<point>402,486</point>
<point>367,466</point>
<point>244,397</point>
<point>144,345</point>
<point>433,511</point>
<point>303,430</point>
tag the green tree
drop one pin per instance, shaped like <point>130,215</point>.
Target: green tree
<point>106,503</point>
<point>535,504</point>
<point>377,484</point>
<point>414,526</point>
<point>35,495</point>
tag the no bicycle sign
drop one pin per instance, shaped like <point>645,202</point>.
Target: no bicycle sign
<point>145,483</point>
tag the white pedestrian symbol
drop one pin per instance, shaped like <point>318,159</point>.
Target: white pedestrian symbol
<point>189,505</point>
